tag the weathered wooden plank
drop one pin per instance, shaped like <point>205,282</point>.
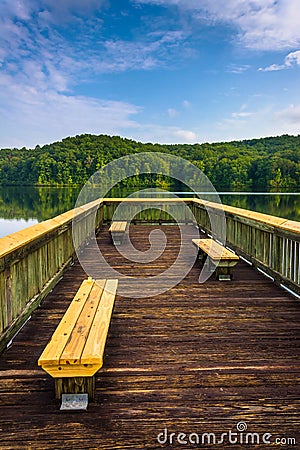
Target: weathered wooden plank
<point>290,225</point>
<point>118,227</point>
<point>215,250</point>
<point>52,353</point>
<point>76,348</point>
<point>22,261</point>
<point>249,231</point>
<point>3,318</point>
<point>82,323</point>
<point>13,326</point>
<point>71,370</point>
<point>76,385</point>
<point>94,347</point>
<point>199,358</point>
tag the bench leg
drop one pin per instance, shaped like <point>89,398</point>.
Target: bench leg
<point>117,238</point>
<point>75,385</point>
<point>201,256</point>
<point>224,272</point>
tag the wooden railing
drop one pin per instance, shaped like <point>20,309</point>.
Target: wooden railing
<point>151,210</point>
<point>271,244</point>
<point>33,260</point>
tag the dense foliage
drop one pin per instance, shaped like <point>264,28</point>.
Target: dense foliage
<point>256,165</point>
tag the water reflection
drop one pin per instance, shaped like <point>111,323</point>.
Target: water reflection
<point>35,203</point>
<point>281,205</point>
<point>22,206</point>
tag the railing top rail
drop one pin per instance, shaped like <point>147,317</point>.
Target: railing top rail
<point>148,200</point>
<point>267,219</point>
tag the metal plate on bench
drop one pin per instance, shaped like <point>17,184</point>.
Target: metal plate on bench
<point>224,277</point>
<point>74,402</point>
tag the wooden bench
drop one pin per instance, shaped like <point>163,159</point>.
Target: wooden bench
<point>221,259</point>
<point>75,352</point>
<point>117,231</point>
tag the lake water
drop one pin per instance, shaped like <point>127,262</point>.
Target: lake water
<point>21,207</point>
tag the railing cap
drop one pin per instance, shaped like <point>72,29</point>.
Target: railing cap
<point>291,225</point>
<point>248,214</point>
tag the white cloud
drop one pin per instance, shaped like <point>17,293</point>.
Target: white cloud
<point>272,68</point>
<point>55,11</point>
<point>185,135</point>
<point>291,116</point>
<point>20,9</point>
<point>121,55</point>
<point>172,113</point>
<point>40,67</point>
<point>291,60</point>
<point>59,9</point>
<point>261,24</point>
<point>158,48</point>
<point>31,115</point>
<point>38,116</point>
<point>37,39</point>
<point>265,120</point>
<point>239,69</point>
<point>162,134</point>
<point>241,114</point>
<point>186,104</point>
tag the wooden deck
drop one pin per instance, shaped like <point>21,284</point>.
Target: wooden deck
<point>197,359</point>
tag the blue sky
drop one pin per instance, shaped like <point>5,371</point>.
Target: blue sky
<point>168,71</point>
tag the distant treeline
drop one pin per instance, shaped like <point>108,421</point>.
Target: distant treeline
<point>267,164</point>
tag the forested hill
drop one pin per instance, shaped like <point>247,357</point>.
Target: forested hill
<point>259,164</point>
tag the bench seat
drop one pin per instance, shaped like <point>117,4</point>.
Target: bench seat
<point>221,259</point>
<point>75,352</point>
<point>118,230</point>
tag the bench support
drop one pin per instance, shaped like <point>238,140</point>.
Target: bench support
<point>118,231</point>
<point>117,238</point>
<point>223,271</point>
<point>75,385</point>
<point>220,260</point>
<point>75,351</point>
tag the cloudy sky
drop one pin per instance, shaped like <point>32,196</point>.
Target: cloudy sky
<point>151,70</point>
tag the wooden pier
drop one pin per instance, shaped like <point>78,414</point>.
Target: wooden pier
<point>198,358</point>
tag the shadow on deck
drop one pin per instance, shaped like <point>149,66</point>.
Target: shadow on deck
<point>199,358</point>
